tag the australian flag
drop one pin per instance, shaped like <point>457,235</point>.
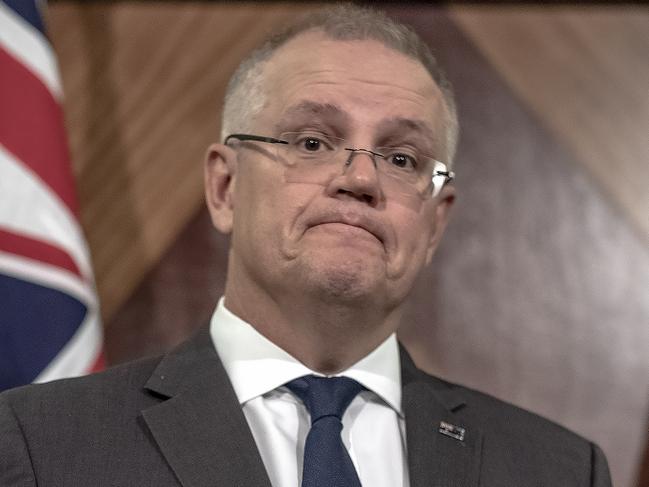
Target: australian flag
<point>49,315</point>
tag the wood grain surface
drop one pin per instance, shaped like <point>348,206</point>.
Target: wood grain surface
<point>585,73</point>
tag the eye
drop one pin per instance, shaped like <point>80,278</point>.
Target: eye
<point>310,143</point>
<point>401,160</point>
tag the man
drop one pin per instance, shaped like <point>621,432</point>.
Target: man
<point>333,180</point>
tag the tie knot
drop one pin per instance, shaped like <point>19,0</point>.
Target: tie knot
<point>325,396</point>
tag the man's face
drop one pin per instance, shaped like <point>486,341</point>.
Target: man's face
<point>347,238</point>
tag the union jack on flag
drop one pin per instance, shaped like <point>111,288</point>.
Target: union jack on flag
<point>49,315</point>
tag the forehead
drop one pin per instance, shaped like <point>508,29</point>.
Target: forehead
<point>354,82</point>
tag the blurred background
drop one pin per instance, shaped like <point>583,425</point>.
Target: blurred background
<point>540,293</point>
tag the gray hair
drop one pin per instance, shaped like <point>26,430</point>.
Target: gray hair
<point>245,95</point>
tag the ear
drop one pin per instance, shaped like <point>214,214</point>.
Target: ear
<point>220,176</point>
<point>443,203</point>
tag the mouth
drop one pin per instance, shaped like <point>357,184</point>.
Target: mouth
<point>349,222</point>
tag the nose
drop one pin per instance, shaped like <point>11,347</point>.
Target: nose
<point>360,178</point>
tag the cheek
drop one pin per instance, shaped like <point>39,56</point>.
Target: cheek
<point>250,201</point>
<point>413,235</point>
<point>266,209</point>
<point>416,228</point>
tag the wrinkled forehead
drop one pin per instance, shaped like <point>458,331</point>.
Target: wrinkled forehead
<point>350,81</point>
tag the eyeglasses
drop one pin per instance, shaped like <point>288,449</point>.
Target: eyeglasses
<point>312,157</point>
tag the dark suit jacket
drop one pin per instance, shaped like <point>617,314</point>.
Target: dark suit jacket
<point>175,420</point>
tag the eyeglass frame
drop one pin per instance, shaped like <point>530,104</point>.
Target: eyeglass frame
<point>447,174</point>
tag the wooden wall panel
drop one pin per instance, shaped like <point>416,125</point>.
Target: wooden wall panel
<point>144,83</point>
<point>177,297</point>
<point>584,71</point>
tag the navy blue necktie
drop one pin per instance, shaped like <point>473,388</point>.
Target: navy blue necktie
<point>326,461</point>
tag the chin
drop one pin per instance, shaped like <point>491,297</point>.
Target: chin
<point>346,280</point>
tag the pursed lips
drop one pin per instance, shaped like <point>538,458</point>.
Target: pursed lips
<point>354,220</point>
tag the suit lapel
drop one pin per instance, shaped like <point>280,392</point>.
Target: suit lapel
<point>199,427</point>
<point>445,459</point>
<point>203,434</point>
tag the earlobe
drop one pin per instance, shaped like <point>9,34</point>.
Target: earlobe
<point>441,214</point>
<point>220,176</point>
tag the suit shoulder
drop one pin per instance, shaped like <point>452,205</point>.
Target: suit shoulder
<point>519,444</point>
<point>75,431</point>
<point>112,384</point>
<point>504,419</point>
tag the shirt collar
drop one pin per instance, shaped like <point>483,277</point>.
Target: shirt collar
<point>255,365</point>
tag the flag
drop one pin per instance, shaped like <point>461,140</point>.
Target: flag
<point>49,314</point>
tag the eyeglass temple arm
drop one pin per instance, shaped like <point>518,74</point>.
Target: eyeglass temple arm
<point>449,175</point>
<point>256,138</point>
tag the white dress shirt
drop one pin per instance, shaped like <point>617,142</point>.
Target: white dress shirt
<point>373,425</point>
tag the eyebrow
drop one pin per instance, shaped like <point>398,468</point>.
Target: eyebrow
<point>412,128</point>
<point>310,109</point>
<point>334,113</point>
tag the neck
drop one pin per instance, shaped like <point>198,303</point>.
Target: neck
<point>326,335</point>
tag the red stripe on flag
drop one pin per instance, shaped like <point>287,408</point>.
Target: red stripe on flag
<point>31,127</point>
<point>37,250</point>
<point>99,364</point>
